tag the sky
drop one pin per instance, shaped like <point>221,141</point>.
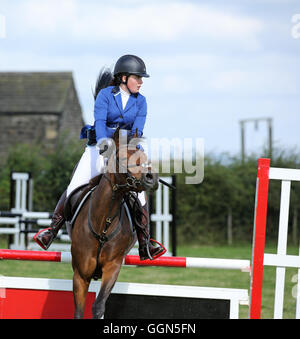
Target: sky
<point>211,63</point>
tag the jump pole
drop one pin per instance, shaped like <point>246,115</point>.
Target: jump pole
<point>235,264</point>
<point>37,298</point>
<point>259,236</point>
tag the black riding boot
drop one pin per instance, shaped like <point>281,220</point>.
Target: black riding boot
<point>45,237</point>
<point>146,249</point>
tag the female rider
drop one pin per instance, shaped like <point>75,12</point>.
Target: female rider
<point>119,104</point>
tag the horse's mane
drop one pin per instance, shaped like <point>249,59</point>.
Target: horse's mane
<point>104,80</point>
<point>129,136</point>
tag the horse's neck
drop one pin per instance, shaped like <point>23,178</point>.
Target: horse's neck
<point>104,202</point>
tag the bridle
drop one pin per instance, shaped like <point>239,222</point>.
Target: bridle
<point>131,184</point>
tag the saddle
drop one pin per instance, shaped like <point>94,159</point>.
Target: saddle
<point>76,198</point>
<point>79,196</point>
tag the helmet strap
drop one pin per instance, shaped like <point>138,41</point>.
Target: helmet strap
<point>125,82</point>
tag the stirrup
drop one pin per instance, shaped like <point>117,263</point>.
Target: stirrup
<point>147,253</point>
<point>160,253</point>
<point>39,242</point>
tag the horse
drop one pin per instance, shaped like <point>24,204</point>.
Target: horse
<point>100,236</point>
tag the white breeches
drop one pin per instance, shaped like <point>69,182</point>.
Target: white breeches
<point>90,165</point>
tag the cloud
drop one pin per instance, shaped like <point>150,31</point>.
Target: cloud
<point>230,80</point>
<point>159,21</point>
<point>210,75</point>
<point>266,74</point>
<point>210,63</point>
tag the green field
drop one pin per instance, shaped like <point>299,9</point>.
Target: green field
<point>180,276</point>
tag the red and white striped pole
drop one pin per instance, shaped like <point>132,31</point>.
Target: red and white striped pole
<point>243,265</point>
<point>259,236</point>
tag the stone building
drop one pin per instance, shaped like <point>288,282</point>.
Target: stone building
<point>37,107</point>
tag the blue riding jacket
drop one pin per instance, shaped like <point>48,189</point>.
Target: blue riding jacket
<point>109,113</point>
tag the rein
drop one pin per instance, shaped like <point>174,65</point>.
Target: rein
<point>103,237</point>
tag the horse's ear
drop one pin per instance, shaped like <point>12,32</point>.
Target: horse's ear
<point>117,135</point>
<point>136,133</point>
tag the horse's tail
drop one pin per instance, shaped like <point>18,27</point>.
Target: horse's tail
<point>105,79</point>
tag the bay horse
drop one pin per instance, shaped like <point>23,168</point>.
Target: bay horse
<point>100,237</point>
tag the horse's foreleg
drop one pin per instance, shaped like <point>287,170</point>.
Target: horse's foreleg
<point>80,288</point>
<point>110,274</point>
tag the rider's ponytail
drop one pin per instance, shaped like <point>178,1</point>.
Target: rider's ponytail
<point>105,79</point>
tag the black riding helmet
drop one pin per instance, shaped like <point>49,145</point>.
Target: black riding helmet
<point>131,64</point>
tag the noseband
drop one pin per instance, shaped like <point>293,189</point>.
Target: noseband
<point>132,182</point>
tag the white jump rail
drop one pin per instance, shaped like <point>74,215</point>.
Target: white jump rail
<point>280,260</point>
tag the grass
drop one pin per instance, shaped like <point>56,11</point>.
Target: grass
<point>180,276</point>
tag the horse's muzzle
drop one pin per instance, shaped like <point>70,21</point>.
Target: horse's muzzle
<point>149,181</point>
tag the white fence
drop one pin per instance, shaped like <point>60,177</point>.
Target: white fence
<point>280,260</point>
<point>19,216</point>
